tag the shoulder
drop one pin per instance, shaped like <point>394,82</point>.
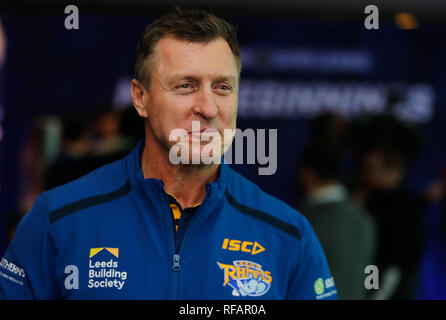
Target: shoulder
<point>98,185</point>
<point>246,196</point>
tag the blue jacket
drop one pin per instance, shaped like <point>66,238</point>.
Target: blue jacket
<point>109,235</point>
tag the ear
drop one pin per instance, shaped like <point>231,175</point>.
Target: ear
<point>139,97</point>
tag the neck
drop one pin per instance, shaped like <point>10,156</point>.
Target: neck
<point>187,183</point>
<point>317,185</point>
<point>328,192</point>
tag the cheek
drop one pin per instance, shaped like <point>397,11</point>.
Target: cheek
<point>166,110</point>
<point>228,112</point>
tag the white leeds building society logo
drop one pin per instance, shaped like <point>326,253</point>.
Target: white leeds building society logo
<point>101,273</point>
<point>105,274</point>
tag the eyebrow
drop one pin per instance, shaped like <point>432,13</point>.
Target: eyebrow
<point>231,79</point>
<point>228,78</point>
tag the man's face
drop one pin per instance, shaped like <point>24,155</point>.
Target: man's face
<point>191,82</point>
<point>381,171</point>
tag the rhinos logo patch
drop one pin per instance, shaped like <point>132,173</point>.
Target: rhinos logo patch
<point>246,278</point>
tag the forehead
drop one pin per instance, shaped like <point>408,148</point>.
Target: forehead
<point>177,56</point>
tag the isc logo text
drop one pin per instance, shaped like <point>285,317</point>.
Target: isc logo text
<point>244,246</point>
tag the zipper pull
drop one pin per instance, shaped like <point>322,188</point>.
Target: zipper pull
<point>176,262</point>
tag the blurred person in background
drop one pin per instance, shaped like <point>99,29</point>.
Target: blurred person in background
<point>328,129</point>
<point>108,142</point>
<point>382,149</point>
<point>346,232</point>
<point>73,160</point>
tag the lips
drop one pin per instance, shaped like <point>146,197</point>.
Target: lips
<point>204,136</point>
<point>204,132</point>
<point>205,129</point>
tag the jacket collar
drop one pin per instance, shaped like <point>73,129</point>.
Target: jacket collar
<point>214,190</point>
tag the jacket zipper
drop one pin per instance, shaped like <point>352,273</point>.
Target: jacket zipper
<point>177,255</point>
<point>176,262</point>
<point>176,275</point>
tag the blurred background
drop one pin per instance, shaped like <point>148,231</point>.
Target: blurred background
<point>360,116</point>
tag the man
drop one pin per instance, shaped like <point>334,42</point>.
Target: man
<point>347,233</point>
<point>384,148</point>
<point>145,228</point>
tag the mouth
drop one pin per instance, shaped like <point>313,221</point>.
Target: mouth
<point>204,136</point>
<point>205,131</point>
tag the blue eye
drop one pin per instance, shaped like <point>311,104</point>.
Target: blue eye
<point>184,88</point>
<point>223,89</point>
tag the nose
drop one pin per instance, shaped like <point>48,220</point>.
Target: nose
<point>205,104</point>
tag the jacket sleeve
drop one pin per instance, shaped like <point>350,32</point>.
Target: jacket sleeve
<point>311,278</point>
<point>27,268</point>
